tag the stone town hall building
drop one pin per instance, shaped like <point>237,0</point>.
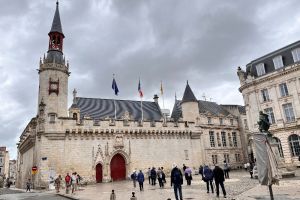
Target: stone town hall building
<point>87,139</point>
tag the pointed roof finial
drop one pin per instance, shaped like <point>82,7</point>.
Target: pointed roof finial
<point>74,95</point>
<point>56,24</point>
<point>187,82</point>
<point>175,96</point>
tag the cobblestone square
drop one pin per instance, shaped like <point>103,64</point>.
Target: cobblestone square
<point>239,186</point>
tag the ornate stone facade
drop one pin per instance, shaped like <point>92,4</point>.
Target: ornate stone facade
<point>274,88</point>
<point>90,141</point>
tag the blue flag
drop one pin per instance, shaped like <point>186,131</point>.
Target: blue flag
<point>115,87</point>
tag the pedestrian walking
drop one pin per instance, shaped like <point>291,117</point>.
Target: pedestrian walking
<point>140,179</point>
<point>57,183</point>
<point>163,175</point>
<point>113,195</point>
<point>160,177</point>
<point>134,178</point>
<point>149,175</point>
<point>188,175</point>
<point>73,182</point>
<point>28,185</point>
<point>246,166</point>
<point>201,171</point>
<point>208,178</point>
<point>153,176</point>
<point>68,183</point>
<point>177,181</point>
<point>250,169</point>
<point>219,180</point>
<point>226,169</point>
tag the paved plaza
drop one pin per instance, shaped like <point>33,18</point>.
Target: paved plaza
<point>238,187</point>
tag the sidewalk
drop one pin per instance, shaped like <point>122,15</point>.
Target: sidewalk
<point>287,189</point>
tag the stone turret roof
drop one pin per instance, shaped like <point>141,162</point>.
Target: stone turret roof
<point>188,95</point>
<point>103,108</point>
<point>204,107</point>
<point>56,24</point>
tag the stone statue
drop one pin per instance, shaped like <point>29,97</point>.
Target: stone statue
<point>263,123</point>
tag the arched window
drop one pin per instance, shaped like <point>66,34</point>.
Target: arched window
<point>75,116</point>
<point>279,146</point>
<point>295,144</point>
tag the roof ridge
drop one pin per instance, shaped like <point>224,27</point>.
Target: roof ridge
<point>114,99</point>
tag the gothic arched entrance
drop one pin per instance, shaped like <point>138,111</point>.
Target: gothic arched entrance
<point>98,173</point>
<point>117,168</point>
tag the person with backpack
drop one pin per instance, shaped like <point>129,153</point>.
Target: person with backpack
<point>219,180</point>
<point>140,179</point>
<point>153,176</point>
<point>176,181</point>
<point>208,176</point>
<point>68,183</point>
<point>134,178</point>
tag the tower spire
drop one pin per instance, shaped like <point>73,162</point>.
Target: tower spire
<point>56,23</point>
<point>56,37</point>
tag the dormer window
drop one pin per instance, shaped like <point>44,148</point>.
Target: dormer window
<point>296,54</point>
<point>221,121</point>
<point>260,68</point>
<point>278,63</point>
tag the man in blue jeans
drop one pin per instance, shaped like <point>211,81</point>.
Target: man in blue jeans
<point>176,181</point>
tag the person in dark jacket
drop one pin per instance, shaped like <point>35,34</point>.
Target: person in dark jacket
<point>208,176</point>
<point>140,179</point>
<point>219,180</point>
<point>177,181</point>
<point>153,176</point>
<point>201,171</point>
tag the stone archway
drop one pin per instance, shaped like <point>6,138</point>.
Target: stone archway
<point>118,168</point>
<point>99,174</point>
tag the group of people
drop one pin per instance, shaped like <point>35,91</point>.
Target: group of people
<point>152,174</point>
<point>217,176</point>
<point>71,182</point>
<point>209,176</point>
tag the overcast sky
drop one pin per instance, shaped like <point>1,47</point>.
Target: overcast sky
<point>202,41</point>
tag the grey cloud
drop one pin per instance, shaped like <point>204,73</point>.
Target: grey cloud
<point>170,40</point>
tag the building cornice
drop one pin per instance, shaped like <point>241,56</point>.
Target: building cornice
<point>278,73</point>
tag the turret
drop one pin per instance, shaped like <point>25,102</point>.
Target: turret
<point>54,73</point>
<point>189,105</point>
<point>74,111</point>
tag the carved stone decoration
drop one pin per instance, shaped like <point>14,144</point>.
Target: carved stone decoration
<point>119,141</point>
<point>106,149</point>
<point>99,152</point>
<point>126,117</point>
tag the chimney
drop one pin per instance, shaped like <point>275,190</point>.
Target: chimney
<point>155,98</point>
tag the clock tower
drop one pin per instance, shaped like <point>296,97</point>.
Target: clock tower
<point>54,74</point>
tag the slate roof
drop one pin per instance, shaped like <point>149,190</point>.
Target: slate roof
<point>102,108</point>
<point>56,24</point>
<point>188,95</point>
<point>285,52</point>
<point>54,56</point>
<point>204,106</point>
<point>242,110</point>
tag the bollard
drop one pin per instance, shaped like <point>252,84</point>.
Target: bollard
<point>133,196</point>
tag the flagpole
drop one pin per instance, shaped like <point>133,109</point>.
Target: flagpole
<point>142,109</point>
<point>115,109</point>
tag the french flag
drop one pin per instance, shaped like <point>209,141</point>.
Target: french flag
<point>140,89</point>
